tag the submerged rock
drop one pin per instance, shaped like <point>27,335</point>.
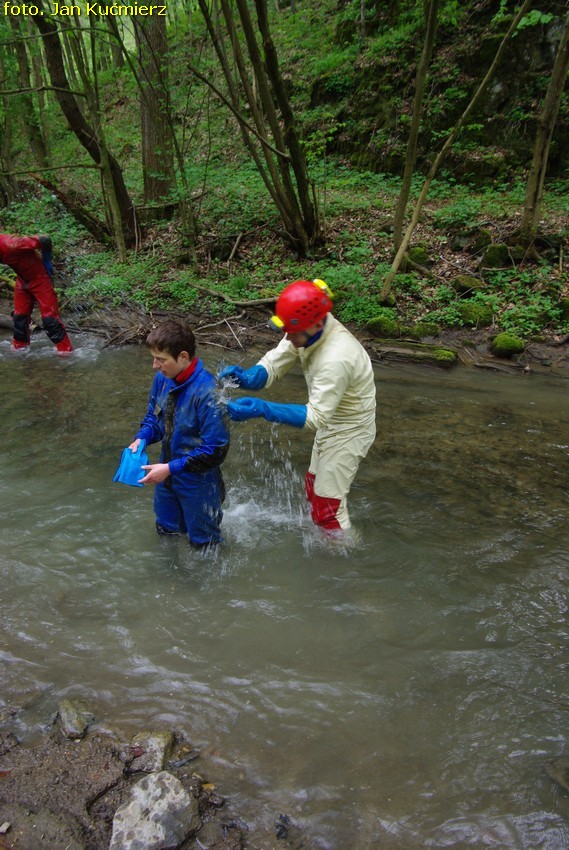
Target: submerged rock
<point>558,769</point>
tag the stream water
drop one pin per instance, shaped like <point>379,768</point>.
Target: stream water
<point>405,691</point>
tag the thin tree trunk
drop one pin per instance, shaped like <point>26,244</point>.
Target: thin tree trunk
<point>444,150</point>
<point>293,201</point>
<point>7,182</point>
<point>411,153</point>
<point>120,205</point>
<point>298,160</point>
<point>270,174</point>
<point>545,129</point>
<point>32,126</point>
<point>38,81</point>
<point>188,221</point>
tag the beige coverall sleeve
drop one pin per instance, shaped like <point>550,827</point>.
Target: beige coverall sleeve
<point>280,360</point>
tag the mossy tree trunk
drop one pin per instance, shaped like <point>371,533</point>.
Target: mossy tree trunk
<point>157,149</point>
<point>8,185</point>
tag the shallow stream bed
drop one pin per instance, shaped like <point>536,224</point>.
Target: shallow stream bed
<point>404,691</point>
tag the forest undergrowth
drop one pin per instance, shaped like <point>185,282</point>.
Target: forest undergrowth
<point>464,273</point>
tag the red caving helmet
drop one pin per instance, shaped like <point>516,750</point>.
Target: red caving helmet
<point>300,305</point>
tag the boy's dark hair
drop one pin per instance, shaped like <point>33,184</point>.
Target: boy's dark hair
<point>172,336</point>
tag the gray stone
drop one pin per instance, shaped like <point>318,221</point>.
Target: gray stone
<point>155,747</point>
<point>160,815</point>
<point>74,718</point>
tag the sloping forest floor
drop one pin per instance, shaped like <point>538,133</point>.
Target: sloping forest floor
<point>224,311</point>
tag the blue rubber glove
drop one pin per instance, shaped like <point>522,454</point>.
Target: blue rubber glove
<point>254,378</point>
<point>130,468</point>
<point>252,408</point>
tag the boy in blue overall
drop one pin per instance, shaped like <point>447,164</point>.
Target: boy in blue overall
<point>183,413</point>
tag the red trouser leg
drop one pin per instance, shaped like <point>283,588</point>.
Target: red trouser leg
<point>323,510</point>
<point>23,306</point>
<point>44,294</point>
<point>309,485</point>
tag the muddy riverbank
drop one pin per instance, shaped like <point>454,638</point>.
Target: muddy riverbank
<point>129,324</point>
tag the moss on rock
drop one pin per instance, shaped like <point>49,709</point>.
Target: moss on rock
<point>423,329</point>
<point>496,256</point>
<point>384,326</point>
<point>475,315</point>
<point>482,241</point>
<point>419,255</point>
<point>467,284</point>
<point>507,345</point>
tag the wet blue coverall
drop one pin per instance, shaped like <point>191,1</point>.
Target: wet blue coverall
<point>195,440</point>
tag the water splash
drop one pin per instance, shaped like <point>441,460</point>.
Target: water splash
<point>224,388</point>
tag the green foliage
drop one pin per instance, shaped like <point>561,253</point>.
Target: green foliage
<point>528,319</point>
<point>463,213</point>
<point>337,63</point>
<point>522,302</point>
<point>40,212</point>
<point>475,314</point>
<point>316,142</point>
<point>451,12</point>
<point>140,279</point>
<point>394,39</point>
<point>534,18</point>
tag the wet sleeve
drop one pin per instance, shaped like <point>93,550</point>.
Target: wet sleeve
<point>150,429</point>
<point>214,439</point>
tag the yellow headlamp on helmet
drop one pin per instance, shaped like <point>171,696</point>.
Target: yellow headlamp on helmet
<point>321,284</point>
<point>276,324</point>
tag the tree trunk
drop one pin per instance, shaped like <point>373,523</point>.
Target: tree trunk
<point>411,153</point>
<point>545,129</point>
<point>121,206</point>
<point>188,221</point>
<point>7,181</point>
<point>269,172</point>
<point>32,125</point>
<point>298,161</point>
<point>157,151</point>
<point>284,158</point>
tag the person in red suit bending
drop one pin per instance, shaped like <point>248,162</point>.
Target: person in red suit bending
<point>30,258</point>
